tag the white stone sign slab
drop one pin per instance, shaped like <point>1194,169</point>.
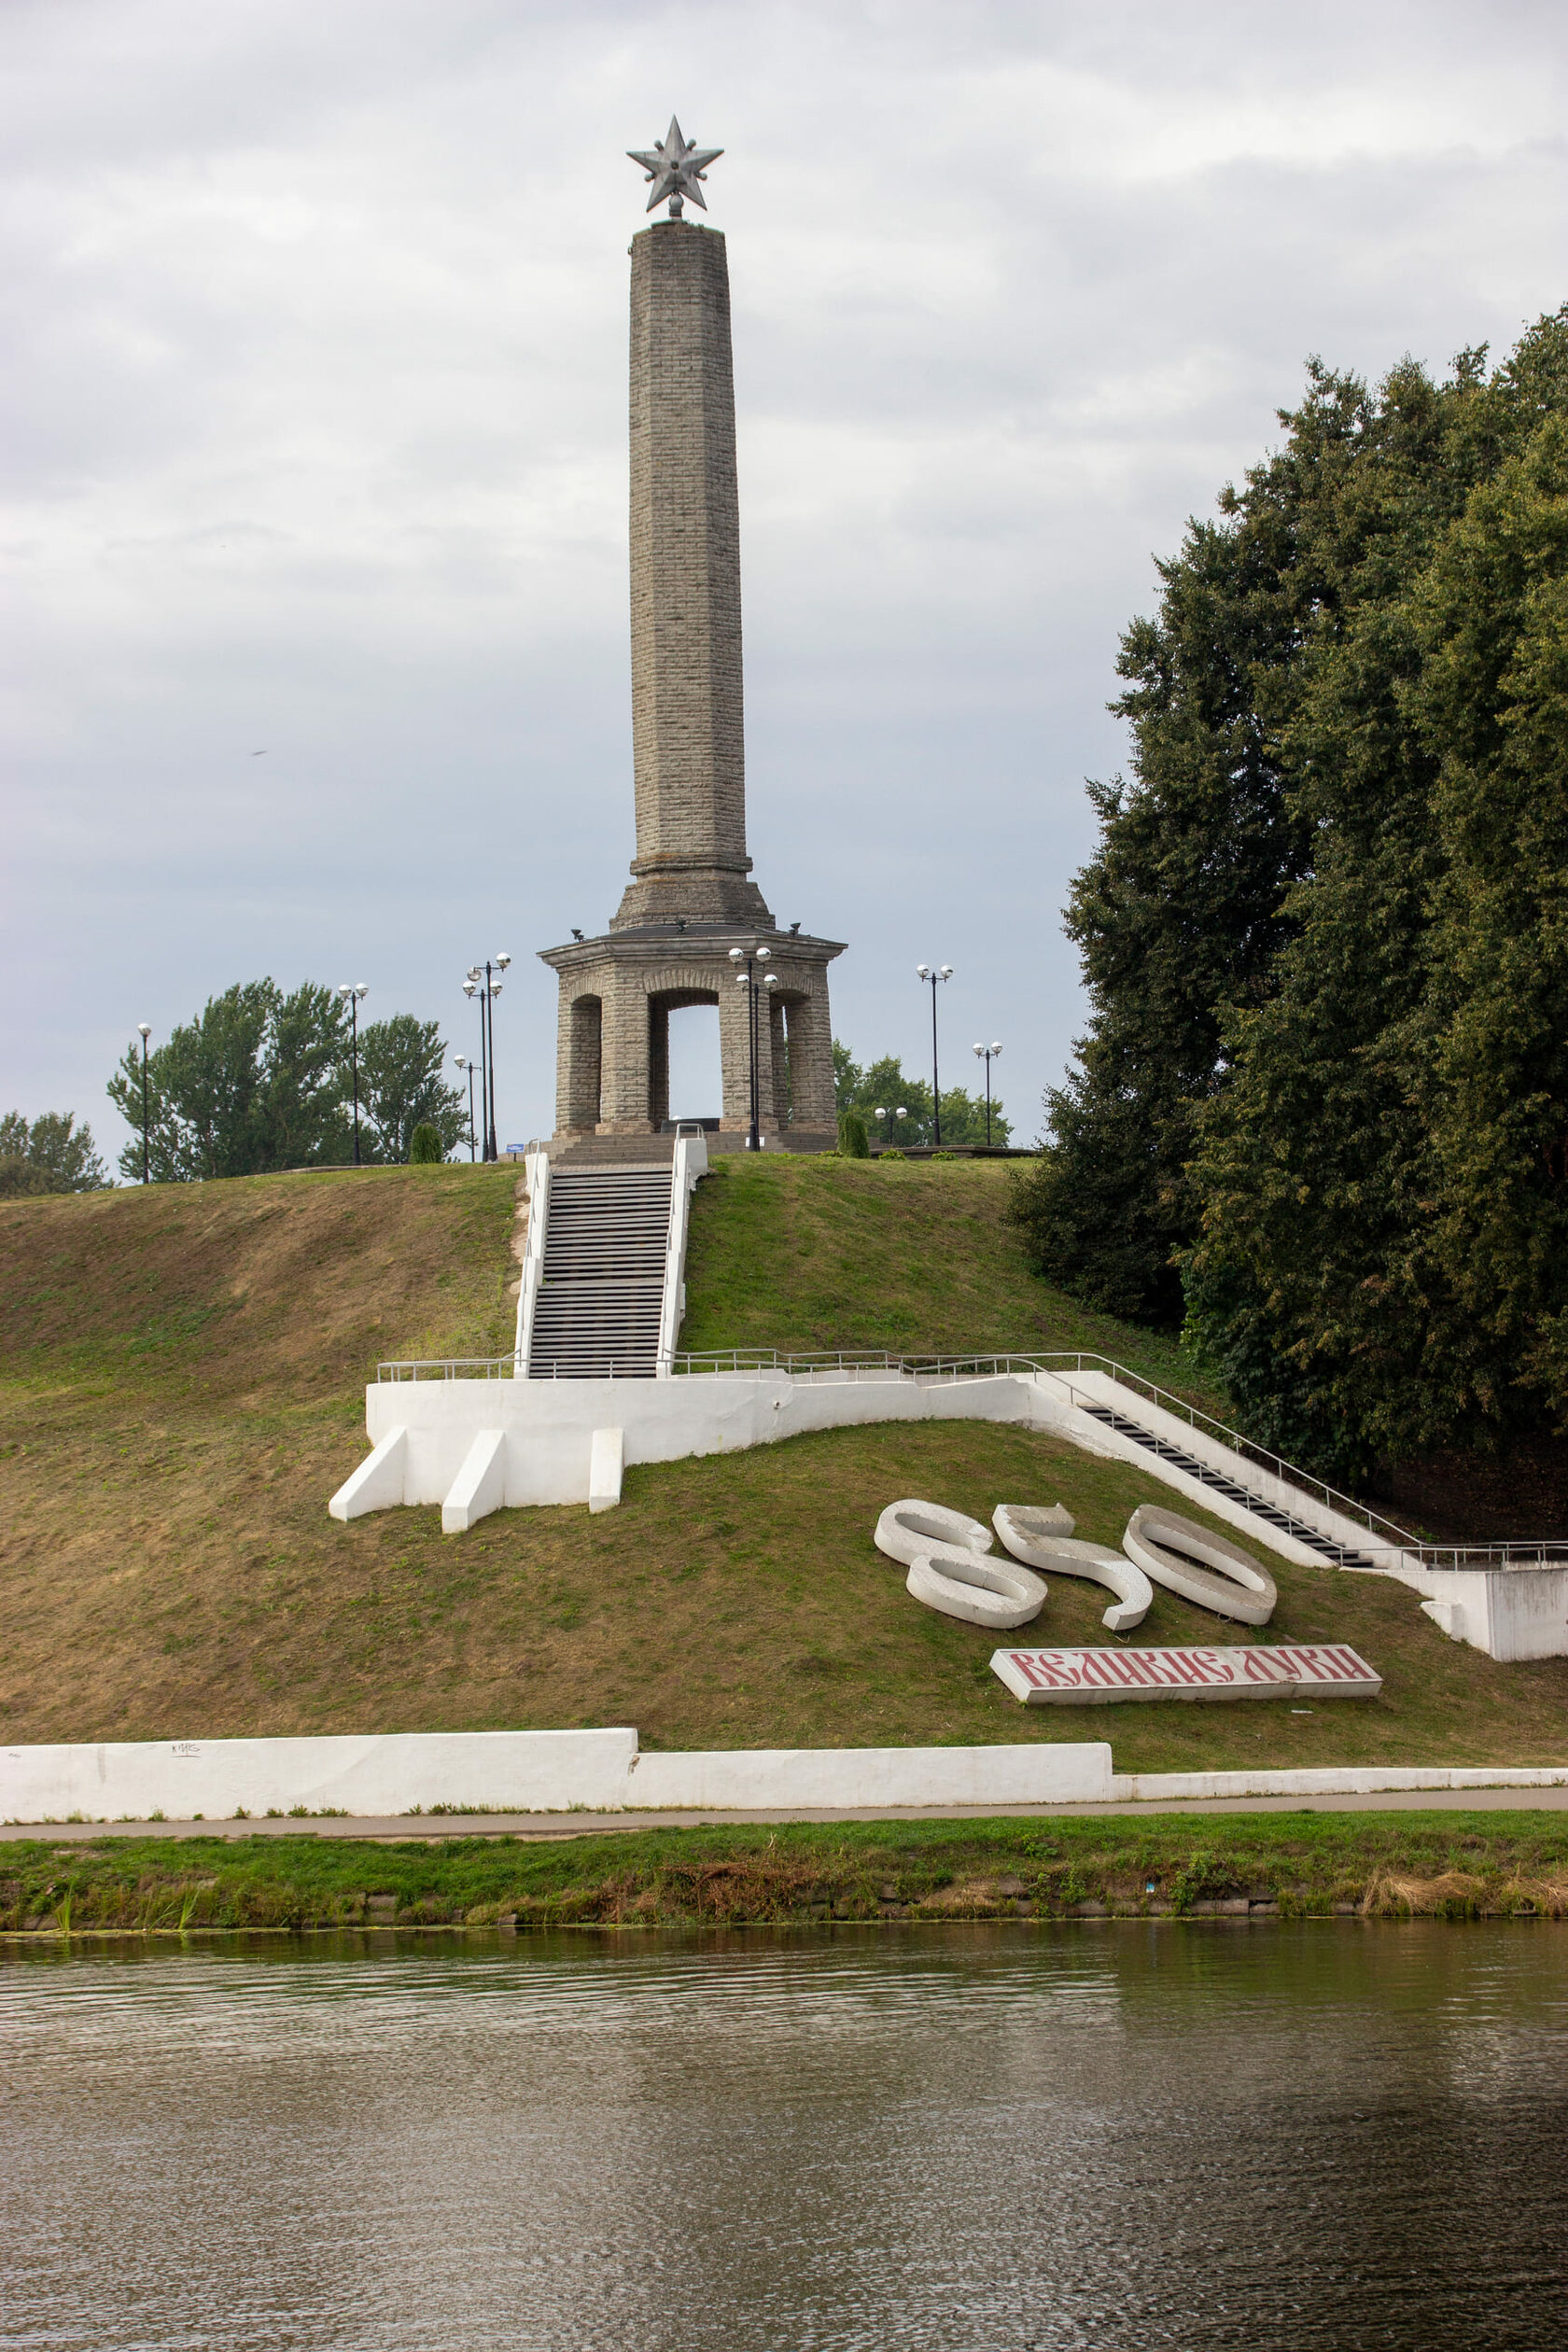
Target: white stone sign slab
<point>1096,1677</point>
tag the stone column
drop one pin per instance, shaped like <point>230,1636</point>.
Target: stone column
<point>811,1071</point>
<point>625,1104</point>
<point>779,1058</point>
<point>737,1108</point>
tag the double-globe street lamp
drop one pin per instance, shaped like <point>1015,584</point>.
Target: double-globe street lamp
<point>933,972</point>
<point>144,1031</point>
<point>483,984</point>
<point>882,1112</point>
<point>752,957</point>
<point>464,1062</point>
<point>353,993</point>
<point>987,1055</point>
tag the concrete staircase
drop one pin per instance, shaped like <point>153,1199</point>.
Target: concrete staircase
<point>612,1151</point>
<point>601,1290</point>
<point>627,1151</point>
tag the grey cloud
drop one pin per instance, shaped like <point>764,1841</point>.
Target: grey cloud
<point>312,435</point>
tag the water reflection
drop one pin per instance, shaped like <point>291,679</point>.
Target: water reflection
<point>1012,2137</point>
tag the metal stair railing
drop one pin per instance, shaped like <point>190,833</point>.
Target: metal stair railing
<point>1519,1551</point>
<point>715,1363</point>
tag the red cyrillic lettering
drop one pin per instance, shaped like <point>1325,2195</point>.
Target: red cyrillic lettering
<point>1261,1665</point>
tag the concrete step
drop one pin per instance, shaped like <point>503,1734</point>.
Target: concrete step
<point>655,1151</point>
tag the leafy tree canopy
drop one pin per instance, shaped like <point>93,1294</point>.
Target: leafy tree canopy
<point>254,1083</point>
<point>1322,1101</point>
<point>883,1085</point>
<point>260,1080</point>
<point>401,1087</point>
<point>52,1156</point>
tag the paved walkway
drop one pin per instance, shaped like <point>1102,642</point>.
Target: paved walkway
<point>427,1829</point>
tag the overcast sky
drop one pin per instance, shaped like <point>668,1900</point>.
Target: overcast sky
<point>313,448</point>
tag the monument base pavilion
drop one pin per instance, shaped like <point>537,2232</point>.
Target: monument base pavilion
<point>612,1043</point>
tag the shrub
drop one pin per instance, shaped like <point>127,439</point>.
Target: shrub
<point>893,1151</point>
<point>853,1141</point>
<point>425,1146</point>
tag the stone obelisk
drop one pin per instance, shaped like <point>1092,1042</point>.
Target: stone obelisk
<point>688,730</point>
<point>691,911</point>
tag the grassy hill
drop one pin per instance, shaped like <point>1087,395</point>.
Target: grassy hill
<point>181,1388</point>
<point>915,1256</point>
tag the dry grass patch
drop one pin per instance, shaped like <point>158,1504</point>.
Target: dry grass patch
<point>1461,1894</point>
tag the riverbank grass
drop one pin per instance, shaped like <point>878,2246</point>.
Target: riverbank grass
<point>1370,1866</point>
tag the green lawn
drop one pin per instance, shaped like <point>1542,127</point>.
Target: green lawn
<point>912,1255</point>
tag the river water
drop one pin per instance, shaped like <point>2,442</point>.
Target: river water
<point>1106,2135</point>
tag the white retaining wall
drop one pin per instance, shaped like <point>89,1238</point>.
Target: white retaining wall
<point>411,1774</point>
<point>1342,1780</point>
<point>521,1771</point>
<point>1510,1613</point>
<point>1047,1774</point>
<point>548,1426</point>
<point>530,1771</point>
<point>540,1436</point>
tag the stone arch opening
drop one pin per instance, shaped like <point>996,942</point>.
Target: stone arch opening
<point>585,1063</point>
<point>687,1064</point>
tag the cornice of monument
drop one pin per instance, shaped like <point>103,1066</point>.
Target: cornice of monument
<point>661,942</point>
<point>683,862</point>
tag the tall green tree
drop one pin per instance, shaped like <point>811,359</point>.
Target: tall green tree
<point>1492,707</point>
<point>1179,914</point>
<point>401,1086</point>
<point>1306,1164</point>
<point>255,1082</point>
<point>1374,1275</point>
<point>52,1156</point>
<point>1322,1099</point>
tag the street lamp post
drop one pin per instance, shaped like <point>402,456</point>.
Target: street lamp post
<point>470,990</point>
<point>933,972</point>
<point>482,982</point>
<point>463,1062</point>
<point>754,988</point>
<point>352,993</point>
<point>987,1055</point>
<point>882,1112</point>
<point>144,1031</point>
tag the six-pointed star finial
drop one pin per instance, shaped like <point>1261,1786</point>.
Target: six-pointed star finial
<point>675,167</point>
